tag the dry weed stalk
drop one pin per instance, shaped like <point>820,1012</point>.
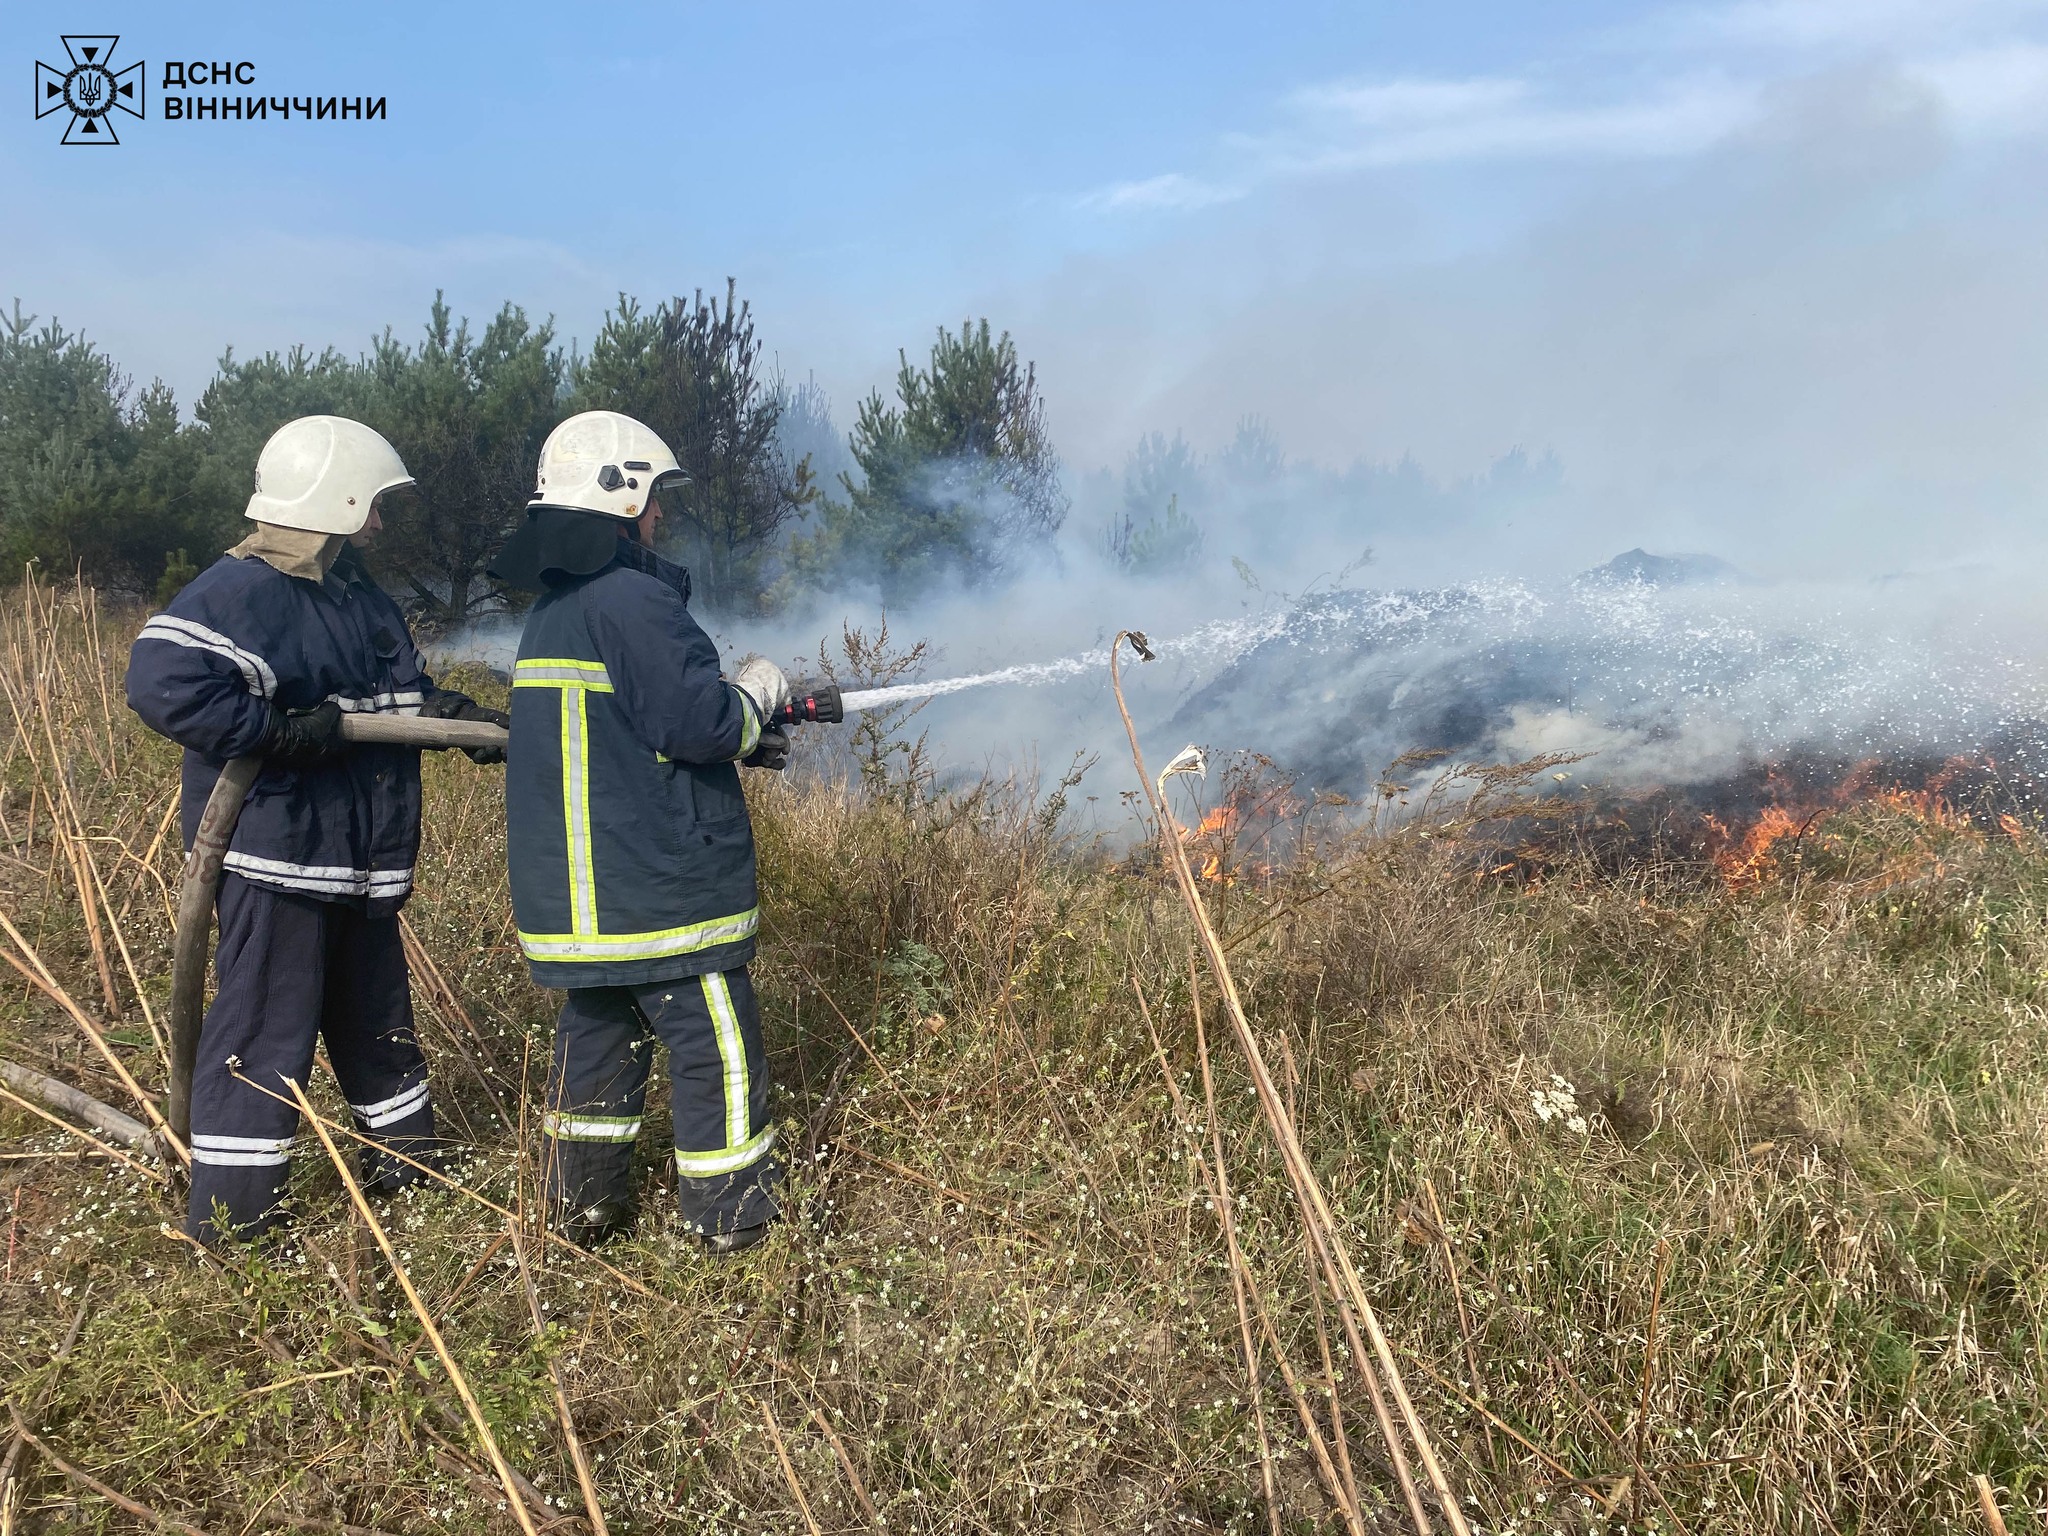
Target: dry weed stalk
<point>87,1481</point>
<point>788,1468</point>
<point>41,978</point>
<point>445,1005</point>
<point>1240,1282</point>
<point>584,1480</point>
<point>323,1124</point>
<point>1332,1251</point>
<point>156,1032</point>
<point>853,1479</point>
<point>1642,1428</point>
<point>10,1466</point>
<point>461,1289</point>
<point>152,1174</point>
<point>482,1426</point>
<point>1987,1502</point>
<point>1442,1236</point>
<point>1341,1487</point>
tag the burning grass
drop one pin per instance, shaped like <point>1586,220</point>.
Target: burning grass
<point>1701,1204</point>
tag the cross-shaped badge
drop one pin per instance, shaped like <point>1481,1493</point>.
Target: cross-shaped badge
<point>89,90</point>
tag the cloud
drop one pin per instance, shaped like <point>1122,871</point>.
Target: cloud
<point>1171,192</point>
<point>1692,79</point>
<point>1348,125</point>
<point>1991,90</point>
<point>1405,103</point>
<point>1413,122</point>
<point>1815,25</point>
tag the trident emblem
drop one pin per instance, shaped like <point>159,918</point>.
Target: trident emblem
<point>90,90</point>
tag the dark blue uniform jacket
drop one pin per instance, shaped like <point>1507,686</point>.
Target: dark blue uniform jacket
<point>631,855</point>
<point>244,637</point>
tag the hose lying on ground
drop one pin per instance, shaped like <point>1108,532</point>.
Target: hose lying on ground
<point>104,1118</point>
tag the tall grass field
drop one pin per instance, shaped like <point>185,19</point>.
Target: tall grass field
<point>1686,1204</point>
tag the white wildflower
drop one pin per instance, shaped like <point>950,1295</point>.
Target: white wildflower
<point>1559,1101</point>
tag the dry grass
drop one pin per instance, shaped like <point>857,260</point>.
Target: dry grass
<point>1818,1106</point>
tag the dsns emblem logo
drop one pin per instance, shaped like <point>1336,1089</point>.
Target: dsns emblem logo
<point>90,90</point>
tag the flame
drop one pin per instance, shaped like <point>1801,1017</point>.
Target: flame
<point>1747,859</point>
<point>1928,805</point>
<point>1218,825</point>
<point>1243,835</point>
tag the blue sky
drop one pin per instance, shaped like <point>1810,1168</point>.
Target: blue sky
<point>1750,254</point>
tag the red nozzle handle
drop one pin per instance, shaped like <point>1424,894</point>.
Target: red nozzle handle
<point>812,704</point>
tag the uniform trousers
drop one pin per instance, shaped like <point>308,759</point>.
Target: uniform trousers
<point>292,968</point>
<point>718,1097</point>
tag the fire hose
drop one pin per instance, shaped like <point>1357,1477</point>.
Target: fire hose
<point>194,933</point>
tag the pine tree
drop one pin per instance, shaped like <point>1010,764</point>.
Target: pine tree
<point>691,370</point>
<point>957,478</point>
<point>94,477</point>
<point>468,414</point>
<point>1157,530</point>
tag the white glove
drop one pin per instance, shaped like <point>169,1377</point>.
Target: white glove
<point>763,682</point>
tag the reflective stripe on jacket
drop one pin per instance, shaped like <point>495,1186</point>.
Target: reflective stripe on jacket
<point>242,637</point>
<point>631,855</point>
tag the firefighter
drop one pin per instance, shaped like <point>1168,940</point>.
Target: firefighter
<point>262,654</point>
<point>632,858</point>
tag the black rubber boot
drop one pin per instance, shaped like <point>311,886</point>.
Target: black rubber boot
<point>596,1225</point>
<point>383,1176</point>
<point>722,1245</point>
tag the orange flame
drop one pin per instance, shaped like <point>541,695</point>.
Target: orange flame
<point>1747,859</point>
<point>1218,824</point>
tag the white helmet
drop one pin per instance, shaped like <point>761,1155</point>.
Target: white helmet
<point>600,461</point>
<point>321,473</point>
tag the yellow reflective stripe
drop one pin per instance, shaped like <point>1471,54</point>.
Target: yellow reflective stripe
<point>576,680</point>
<point>566,1125</point>
<point>732,1055</point>
<point>560,672</point>
<point>576,810</point>
<point>579,687</point>
<point>561,669</point>
<point>654,945</point>
<point>750,721</point>
<point>698,1165</point>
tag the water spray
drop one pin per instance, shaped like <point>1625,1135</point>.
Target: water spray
<point>1221,641</point>
<point>826,704</point>
<point>814,703</point>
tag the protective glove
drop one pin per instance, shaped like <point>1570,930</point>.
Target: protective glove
<point>447,704</point>
<point>771,751</point>
<point>765,683</point>
<point>301,737</point>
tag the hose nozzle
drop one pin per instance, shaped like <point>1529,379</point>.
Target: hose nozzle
<point>810,704</point>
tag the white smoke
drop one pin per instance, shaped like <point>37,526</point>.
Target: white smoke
<point>1809,349</point>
